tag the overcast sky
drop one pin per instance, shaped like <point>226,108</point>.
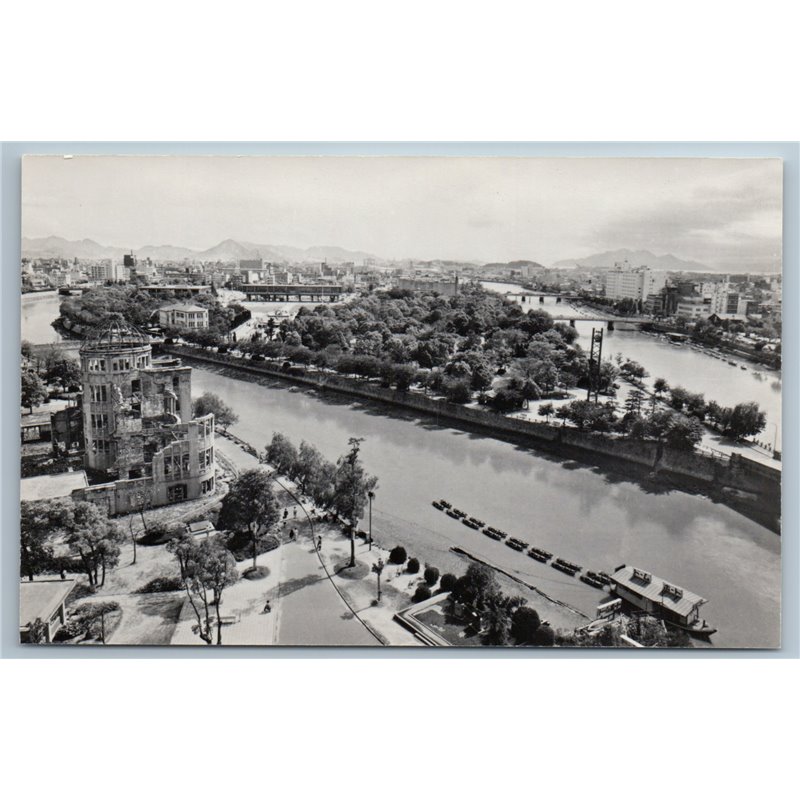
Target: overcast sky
<point>725,213</point>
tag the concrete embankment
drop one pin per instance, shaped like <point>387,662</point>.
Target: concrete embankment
<point>741,482</point>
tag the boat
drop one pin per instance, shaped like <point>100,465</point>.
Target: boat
<point>562,566</point>
<point>593,582</point>
<point>492,534</point>
<point>479,522</point>
<point>516,544</point>
<point>445,504</point>
<point>539,555</point>
<point>742,366</point>
<point>700,628</point>
<point>436,504</point>
<point>470,524</point>
<point>676,606</point>
<point>451,513</point>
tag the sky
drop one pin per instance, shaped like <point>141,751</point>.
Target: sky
<point>724,213</point>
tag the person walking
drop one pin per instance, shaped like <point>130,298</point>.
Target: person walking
<point>267,607</point>
<point>319,543</point>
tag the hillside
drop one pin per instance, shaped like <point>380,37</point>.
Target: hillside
<point>635,258</point>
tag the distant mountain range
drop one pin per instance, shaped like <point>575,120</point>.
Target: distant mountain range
<point>227,250</point>
<point>496,265</point>
<point>636,258</point>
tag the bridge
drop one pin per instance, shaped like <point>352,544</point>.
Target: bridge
<point>287,291</point>
<point>609,321</point>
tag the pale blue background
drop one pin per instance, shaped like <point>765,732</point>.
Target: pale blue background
<point>10,154</point>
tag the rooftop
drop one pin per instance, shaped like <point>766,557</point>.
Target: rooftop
<point>182,307</point>
<point>657,590</point>
<point>48,487</point>
<point>113,333</point>
<point>39,599</point>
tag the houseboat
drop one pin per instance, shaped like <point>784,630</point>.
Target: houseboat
<point>676,606</point>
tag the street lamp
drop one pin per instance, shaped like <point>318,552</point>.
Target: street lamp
<point>370,495</point>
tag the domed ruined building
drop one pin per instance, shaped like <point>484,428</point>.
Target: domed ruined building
<point>143,448</point>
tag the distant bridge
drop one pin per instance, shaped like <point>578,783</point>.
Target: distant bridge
<point>287,291</point>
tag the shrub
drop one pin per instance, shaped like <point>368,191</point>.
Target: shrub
<point>413,566</point>
<point>163,583</point>
<point>159,533</point>
<point>422,593</point>
<point>431,575</point>
<point>241,545</point>
<point>524,624</point>
<point>544,637</point>
<point>398,555</point>
<point>448,582</point>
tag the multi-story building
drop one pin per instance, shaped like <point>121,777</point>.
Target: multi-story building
<point>448,288</point>
<point>183,315</point>
<point>635,284</point>
<point>140,438</point>
<point>692,308</point>
<point>107,270</point>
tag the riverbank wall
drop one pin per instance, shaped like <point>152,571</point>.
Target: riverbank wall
<point>750,482</point>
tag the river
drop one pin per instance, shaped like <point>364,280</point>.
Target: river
<point>39,309</point>
<point>678,365</point>
<point>587,514</point>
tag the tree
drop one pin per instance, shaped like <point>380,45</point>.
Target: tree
<point>92,617</point>
<point>33,390</point>
<point>457,390</point>
<point>546,410</point>
<point>447,582</point>
<point>210,403</point>
<point>62,370</point>
<point>746,419</point>
<point>660,386</point>
<point>282,454</point>
<point>633,370</point>
<point>474,587</point>
<point>545,636</point>
<point>377,568</point>
<point>633,402</point>
<point>37,525</point>
<point>210,568</point>
<point>250,506</point>
<point>431,575</point>
<point>308,465</point>
<point>398,555</point>
<point>497,619</point>
<point>37,632</point>
<point>352,487</point>
<point>679,397</point>
<point>92,537</point>
<point>181,546</point>
<point>524,624</point>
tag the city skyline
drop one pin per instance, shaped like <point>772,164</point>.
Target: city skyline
<point>725,214</point>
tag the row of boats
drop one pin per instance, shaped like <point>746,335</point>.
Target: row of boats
<point>598,580</point>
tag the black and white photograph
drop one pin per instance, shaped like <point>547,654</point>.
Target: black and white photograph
<point>397,401</point>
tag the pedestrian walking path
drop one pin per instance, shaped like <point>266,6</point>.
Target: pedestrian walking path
<point>306,609</point>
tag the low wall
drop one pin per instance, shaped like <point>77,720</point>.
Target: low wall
<point>739,473</point>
